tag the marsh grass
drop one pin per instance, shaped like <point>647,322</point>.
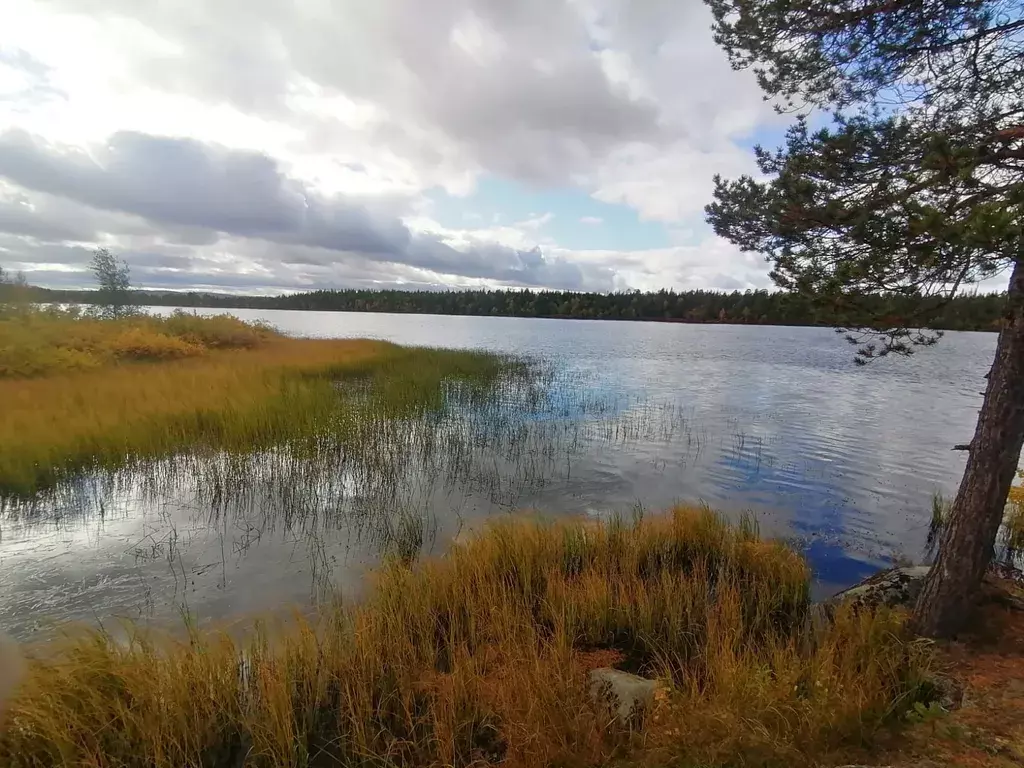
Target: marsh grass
<point>482,657</point>
<point>237,388</point>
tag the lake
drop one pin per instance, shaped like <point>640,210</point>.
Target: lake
<point>776,421</point>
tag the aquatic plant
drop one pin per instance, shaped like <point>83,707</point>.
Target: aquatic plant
<point>219,385</point>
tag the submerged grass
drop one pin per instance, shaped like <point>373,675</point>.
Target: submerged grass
<point>246,389</point>
<point>482,657</point>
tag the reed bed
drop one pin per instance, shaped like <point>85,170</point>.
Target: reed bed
<point>246,388</point>
<point>481,658</point>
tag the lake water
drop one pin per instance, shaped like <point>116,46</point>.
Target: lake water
<point>777,421</point>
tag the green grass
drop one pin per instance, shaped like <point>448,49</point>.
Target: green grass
<point>482,657</point>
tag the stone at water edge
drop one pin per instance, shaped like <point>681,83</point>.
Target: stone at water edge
<point>900,587</point>
<point>627,695</point>
<point>893,588</point>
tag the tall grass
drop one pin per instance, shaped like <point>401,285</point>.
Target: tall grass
<point>482,657</point>
<point>39,342</point>
<point>246,389</point>
<point>1011,534</point>
<point>1013,521</point>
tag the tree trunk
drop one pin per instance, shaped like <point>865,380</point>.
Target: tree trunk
<point>966,548</point>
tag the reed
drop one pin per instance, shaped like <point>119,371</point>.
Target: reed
<point>482,657</point>
<point>241,388</point>
<point>1011,534</point>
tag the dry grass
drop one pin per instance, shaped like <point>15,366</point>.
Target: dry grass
<point>1013,522</point>
<point>987,660</point>
<point>62,423</point>
<point>40,342</point>
<point>482,657</point>
<point>1011,536</point>
<point>235,387</point>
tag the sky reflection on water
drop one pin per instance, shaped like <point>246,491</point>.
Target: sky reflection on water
<point>774,420</point>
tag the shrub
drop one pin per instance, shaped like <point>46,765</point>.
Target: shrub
<point>144,344</point>
<point>43,341</point>
<point>1013,522</point>
<point>217,332</point>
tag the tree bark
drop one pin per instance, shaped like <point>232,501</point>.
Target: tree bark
<point>969,537</point>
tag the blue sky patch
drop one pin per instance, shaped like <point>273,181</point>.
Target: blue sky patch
<point>579,222</point>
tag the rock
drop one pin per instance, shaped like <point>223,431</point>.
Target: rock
<point>1006,572</point>
<point>900,587</point>
<point>896,587</point>
<point>949,692</point>
<point>628,696</point>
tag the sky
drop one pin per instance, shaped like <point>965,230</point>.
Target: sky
<point>263,146</point>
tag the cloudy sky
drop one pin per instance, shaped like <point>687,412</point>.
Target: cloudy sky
<point>275,145</point>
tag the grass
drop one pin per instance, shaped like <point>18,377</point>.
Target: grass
<point>237,387</point>
<point>940,513</point>
<point>477,658</point>
<point>1013,522</point>
<point>39,342</point>
<point>1011,536</point>
<point>482,657</point>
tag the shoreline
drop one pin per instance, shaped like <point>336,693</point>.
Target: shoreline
<point>522,609</point>
<point>589,670</point>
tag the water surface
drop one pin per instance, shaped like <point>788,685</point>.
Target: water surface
<point>774,420</point>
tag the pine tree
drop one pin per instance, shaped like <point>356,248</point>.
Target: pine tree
<point>904,176</point>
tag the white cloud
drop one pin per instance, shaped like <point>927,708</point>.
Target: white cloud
<point>709,263</point>
<point>594,220</point>
<point>325,124</point>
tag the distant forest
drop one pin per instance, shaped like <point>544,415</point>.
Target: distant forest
<point>969,313</point>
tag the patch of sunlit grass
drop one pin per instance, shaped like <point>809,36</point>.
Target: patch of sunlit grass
<point>41,342</point>
<point>482,657</point>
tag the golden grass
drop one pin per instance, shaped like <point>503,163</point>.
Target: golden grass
<point>39,342</point>
<point>245,388</point>
<point>1013,521</point>
<point>1011,535</point>
<point>64,422</point>
<point>482,657</point>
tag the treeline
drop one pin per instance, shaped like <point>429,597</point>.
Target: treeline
<point>970,312</point>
